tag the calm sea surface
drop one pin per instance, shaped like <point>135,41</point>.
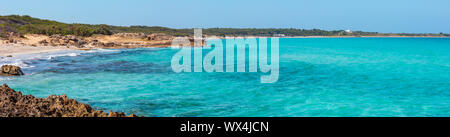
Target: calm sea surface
<point>318,77</point>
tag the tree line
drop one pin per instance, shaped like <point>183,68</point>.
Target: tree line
<point>21,25</point>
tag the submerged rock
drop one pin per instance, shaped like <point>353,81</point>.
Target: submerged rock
<point>14,104</point>
<point>11,70</point>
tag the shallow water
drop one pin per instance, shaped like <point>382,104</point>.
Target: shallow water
<point>318,77</point>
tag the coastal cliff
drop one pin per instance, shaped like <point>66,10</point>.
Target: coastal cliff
<point>14,104</point>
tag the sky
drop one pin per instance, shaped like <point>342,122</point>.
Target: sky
<point>397,16</point>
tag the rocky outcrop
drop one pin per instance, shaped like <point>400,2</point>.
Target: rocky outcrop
<point>69,40</point>
<point>131,35</point>
<point>159,37</point>
<point>11,38</point>
<point>14,104</point>
<point>119,40</point>
<point>11,70</point>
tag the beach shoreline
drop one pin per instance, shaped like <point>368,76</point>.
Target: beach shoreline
<point>12,49</point>
<point>21,49</point>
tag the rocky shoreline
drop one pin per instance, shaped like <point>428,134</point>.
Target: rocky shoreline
<point>14,104</point>
<point>119,40</point>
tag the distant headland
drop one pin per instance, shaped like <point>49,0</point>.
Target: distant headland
<point>40,35</point>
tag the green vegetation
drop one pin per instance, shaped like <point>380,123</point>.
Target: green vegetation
<point>287,32</point>
<point>28,25</point>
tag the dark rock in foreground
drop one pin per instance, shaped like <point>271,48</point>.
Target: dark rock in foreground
<point>14,104</point>
<point>10,70</point>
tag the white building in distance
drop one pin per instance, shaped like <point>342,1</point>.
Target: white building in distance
<point>279,35</point>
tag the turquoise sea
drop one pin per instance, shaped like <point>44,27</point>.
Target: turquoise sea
<point>318,77</point>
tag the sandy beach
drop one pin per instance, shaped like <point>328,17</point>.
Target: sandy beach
<point>16,49</point>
